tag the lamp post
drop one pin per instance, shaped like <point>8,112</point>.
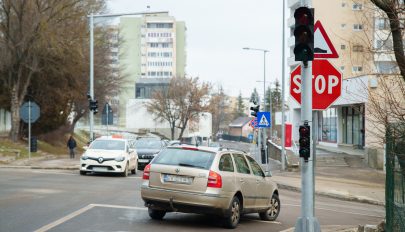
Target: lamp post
<point>264,90</point>
<point>91,28</point>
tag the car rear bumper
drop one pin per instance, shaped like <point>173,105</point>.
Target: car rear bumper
<point>184,201</point>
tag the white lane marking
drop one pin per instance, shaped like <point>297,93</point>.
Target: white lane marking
<point>269,222</point>
<point>340,211</point>
<point>64,219</point>
<point>120,206</point>
<point>83,210</point>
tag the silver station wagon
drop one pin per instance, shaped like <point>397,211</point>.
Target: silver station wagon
<point>208,180</point>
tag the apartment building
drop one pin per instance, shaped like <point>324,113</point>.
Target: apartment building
<point>152,49</point>
<point>351,26</point>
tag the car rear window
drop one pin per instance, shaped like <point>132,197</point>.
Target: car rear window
<point>185,157</point>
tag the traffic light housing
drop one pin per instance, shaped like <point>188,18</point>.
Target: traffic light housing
<point>254,109</point>
<point>305,142</point>
<point>304,34</point>
<point>93,106</point>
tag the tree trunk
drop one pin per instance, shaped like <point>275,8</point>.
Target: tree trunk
<point>172,127</point>
<point>15,115</point>
<point>183,128</point>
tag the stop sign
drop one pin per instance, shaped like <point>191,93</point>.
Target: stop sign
<point>326,84</point>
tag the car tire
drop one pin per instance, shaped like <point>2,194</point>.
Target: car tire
<point>135,170</point>
<point>125,173</point>
<point>83,173</point>
<point>156,214</point>
<point>232,221</point>
<point>272,213</point>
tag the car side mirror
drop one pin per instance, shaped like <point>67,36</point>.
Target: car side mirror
<point>268,174</point>
<point>131,150</point>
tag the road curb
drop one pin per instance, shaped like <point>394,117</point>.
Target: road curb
<point>41,167</point>
<point>334,195</point>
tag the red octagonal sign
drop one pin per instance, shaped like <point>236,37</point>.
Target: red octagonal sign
<point>326,84</point>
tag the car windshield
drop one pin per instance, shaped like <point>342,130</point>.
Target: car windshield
<point>148,144</point>
<point>108,145</point>
<point>185,157</point>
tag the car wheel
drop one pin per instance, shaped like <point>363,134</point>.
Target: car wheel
<point>232,220</point>
<point>135,170</point>
<point>156,214</point>
<point>83,173</point>
<point>272,213</point>
<point>125,173</point>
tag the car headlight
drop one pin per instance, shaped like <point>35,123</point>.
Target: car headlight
<point>120,158</point>
<point>84,157</point>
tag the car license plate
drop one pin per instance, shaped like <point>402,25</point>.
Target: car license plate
<point>143,161</point>
<point>177,179</point>
<point>100,169</point>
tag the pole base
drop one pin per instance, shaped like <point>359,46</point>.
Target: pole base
<point>309,224</point>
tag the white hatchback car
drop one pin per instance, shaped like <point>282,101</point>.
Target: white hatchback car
<point>113,155</point>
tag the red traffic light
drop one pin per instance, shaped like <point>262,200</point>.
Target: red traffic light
<point>303,16</point>
<point>304,131</point>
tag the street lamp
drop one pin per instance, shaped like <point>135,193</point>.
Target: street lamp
<point>91,22</point>
<point>264,87</point>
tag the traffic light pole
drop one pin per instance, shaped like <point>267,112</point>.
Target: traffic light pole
<point>91,114</point>
<point>307,221</point>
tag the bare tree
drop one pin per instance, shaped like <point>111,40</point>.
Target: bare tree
<point>219,109</point>
<point>33,40</point>
<point>395,11</point>
<point>182,101</point>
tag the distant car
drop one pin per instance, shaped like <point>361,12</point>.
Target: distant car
<point>208,180</point>
<point>174,142</point>
<point>109,155</point>
<point>214,144</point>
<point>147,149</point>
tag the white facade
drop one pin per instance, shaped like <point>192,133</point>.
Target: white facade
<point>158,44</point>
<point>138,119</point>
<point>5,121</point>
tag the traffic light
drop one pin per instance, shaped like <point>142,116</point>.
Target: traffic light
<point>304,34</point>
<point>94,106</point>
<point>305,141</point>
<point>254,109</point>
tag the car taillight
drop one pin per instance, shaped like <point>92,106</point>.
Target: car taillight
<point>214,180</point>
<point>146,172</point>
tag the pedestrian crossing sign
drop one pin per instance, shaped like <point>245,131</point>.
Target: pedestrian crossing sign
<point>264,119</point>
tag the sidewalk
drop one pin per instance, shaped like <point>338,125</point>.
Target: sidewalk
<point>359,184</point>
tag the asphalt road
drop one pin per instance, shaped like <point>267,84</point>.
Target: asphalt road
<point>51,200</point>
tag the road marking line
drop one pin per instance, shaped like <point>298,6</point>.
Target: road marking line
<point>64,219</point>
<point>270,222</point>
<point>339,211</point>
<point>120,206</point>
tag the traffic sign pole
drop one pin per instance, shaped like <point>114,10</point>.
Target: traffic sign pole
<point>29,130</point>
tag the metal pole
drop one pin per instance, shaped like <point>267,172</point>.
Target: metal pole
<point>107,106</point>
<point>29,130</point>
<point>266,154</point>
<point>307,222</point>
<point>282,96</point>
<point>91,74</point>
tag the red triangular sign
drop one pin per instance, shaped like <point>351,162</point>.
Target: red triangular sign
<point>323,47</point>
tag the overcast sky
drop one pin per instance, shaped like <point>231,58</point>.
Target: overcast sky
<point>217,30</point>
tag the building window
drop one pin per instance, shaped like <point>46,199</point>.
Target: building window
<point>343,4</point>
<point>342,68</point>
<point>357,27</point>
<point>357,6</point>
<point>357,68</point>
<point>357,48</point>
<point>160,25</point>
<point>382,23</point>
<point>343,25</point>
<point>327,125</point>
<point>353,125</point>
<point>343,47</point>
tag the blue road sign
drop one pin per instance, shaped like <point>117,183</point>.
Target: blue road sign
<point>263,119</point>
<point>250,137</point>
<point>25,114</point>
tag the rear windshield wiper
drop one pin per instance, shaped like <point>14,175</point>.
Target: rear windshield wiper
<point>190,165</point>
